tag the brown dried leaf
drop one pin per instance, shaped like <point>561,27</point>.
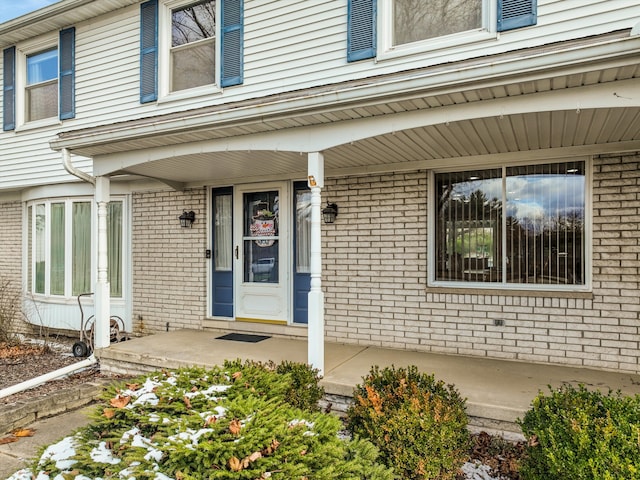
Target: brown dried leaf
<point>24,432</point>
<point>5,440</point>
<point>133,386</point>
<point>120,401</point>
<point>235,427</point>
<point>236,375</point>
<point>254,456</point>
<point>187,402</point>
<point>234,464</point>
<point>109,413</point>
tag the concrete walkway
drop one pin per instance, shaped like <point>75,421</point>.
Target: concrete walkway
<point>498,392</point>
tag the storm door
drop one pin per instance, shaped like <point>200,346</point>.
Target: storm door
<point>261,256</point>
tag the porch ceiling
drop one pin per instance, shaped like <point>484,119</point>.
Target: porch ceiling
<point>575,132</point>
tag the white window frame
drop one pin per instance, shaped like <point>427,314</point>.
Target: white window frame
<point>588,232</point>
<point>164,54</point>
<point>438,45</point>
<point>68,287</point>
<point>23,50</point>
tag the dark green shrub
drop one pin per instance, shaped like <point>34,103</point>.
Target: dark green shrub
<point>580,434</point>
<point>304,391</point>
<point>418,423</point>
<point>225,423</point>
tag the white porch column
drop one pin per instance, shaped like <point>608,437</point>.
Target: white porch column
<point>102,293</point>
<point>315,328</point>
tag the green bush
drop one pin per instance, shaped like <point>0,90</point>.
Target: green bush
<point>418,423</point>
<point>230,422</point>
<point>304,393</point>
<point>580,434</point>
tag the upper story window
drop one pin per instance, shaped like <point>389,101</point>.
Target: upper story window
<point>190,48</point>
<point>414,21</point>
<point>41,91</point>
<point>39,80</point>
<point>514,225</point>
<point>193,46</point>
<point>400,27</point>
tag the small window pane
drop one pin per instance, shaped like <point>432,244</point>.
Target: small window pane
<point>416,20</point>
<point>261,230</point>
<point>193,23</point>
<point>193,65</point>
<point>223,234</point>
<point>42,101</point>
<point>40,253</point>
<point>57,248</point>
<point>303,231</point>
<point>29,249</point>
<point>42,67</point>
<point>469,226</point>
<point>114,248</point>
<point>81,248</point>
<point>545,223</point>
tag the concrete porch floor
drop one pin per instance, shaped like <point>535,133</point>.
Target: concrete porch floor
<point>498,391</point>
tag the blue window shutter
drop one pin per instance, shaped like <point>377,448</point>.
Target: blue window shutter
<point>361,30</point>
<point>232,43</point>
<point>67,80</point>
<point>149,51</point>
<point>516,14</point>
<point>9,89</point>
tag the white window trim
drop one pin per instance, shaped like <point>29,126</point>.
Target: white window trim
<point>68,201</point>
<point>164,55</point>
<point>439,46</point>
<point>23,50</point>
<point>503,286</point>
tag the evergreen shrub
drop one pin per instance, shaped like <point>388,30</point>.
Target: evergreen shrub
<point>581,434</point>
<point>230,422</point>
<point>419,424</point>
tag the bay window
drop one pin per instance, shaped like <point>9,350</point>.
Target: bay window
<point>59,247</point>
<point>516,225</point>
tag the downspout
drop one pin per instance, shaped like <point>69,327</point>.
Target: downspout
<point>68,166</point>
<point>62,372</point>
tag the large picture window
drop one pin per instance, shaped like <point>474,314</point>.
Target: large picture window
<point>512,225</point>
<point>59,247</point>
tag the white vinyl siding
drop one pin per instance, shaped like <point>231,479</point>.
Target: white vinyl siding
<point>288,45</point>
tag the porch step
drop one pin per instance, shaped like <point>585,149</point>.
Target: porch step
<point>498,392</point>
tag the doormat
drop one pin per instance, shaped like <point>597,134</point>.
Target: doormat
<point>243,337</point>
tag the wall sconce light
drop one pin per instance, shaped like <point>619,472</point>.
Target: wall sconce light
<point>330,212</point>
<point>187,219</point>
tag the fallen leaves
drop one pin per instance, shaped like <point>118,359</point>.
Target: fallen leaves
<point>17,435</point>
<point>235,426</point>
<point>237,465</point>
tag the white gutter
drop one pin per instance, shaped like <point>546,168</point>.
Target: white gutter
<point>68,166</point>
<point>62,372</point>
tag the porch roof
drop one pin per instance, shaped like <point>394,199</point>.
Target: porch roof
<point>497,391</point>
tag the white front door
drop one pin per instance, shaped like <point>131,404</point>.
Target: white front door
<point>262,259</point>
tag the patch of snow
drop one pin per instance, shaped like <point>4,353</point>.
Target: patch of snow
<point>477,471</point>
<point>101,454</point>
<point>60,453</point>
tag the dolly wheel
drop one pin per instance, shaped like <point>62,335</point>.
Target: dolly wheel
<point>80,349</point>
